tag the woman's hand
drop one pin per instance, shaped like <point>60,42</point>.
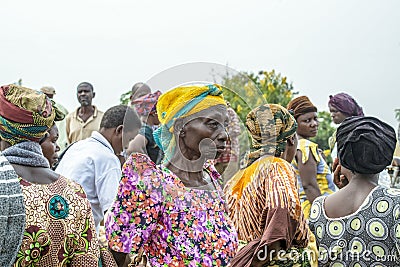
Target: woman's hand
<point>339,179</point>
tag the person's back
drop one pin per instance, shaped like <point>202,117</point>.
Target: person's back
<point>359,223</point>
<point>263,198</point>
<point>59,226</point>
<point>89,162</point>
<point>12,210</point>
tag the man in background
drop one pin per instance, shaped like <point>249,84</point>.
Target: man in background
<point>62,141</point>
<point>138,90</point>
<point>84,120</point>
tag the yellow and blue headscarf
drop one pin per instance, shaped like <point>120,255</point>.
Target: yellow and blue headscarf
<point>182,102</point>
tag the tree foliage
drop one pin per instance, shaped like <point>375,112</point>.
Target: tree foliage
<point>124,99</point>
<point>245,91</point>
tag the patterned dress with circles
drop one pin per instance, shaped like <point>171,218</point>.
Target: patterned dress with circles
<point>368,237</point>
<point>59,228</point>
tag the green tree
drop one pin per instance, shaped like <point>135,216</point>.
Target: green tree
<point>245,91</point>
<point>124,99</point>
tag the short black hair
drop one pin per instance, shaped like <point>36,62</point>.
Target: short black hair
<point>86,84</point>
<point>120,115</point>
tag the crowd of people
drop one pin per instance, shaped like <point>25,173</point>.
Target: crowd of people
<point>158,182</point>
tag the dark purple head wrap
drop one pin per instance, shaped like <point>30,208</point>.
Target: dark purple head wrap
<point>365,144</point>
<point>345,104</point>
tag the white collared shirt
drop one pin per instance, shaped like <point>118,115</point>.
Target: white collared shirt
<point>93,164</point>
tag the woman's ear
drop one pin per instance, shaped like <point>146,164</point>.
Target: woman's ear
<point>179,128</point>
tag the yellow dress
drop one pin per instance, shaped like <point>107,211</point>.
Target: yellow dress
<point>324,176</point>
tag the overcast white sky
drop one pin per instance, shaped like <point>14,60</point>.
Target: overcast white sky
<point>323,47</point>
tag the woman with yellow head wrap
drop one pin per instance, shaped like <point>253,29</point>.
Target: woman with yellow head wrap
<point>57,210</point>
<point>180,103</point>
<point>180,204</point>
<point>263,198</point>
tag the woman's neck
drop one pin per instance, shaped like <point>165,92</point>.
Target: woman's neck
<point>189,170</point>
<point>36,175</point>
<point>182,162</point>
<point>302,137</point>
<point>364,180</point>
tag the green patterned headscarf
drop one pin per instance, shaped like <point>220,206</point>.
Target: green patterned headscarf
<point>270,126</point>
<point>25,114</point>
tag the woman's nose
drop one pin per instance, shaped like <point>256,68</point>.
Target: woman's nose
<point>314,123</point>
<point>223,135</point>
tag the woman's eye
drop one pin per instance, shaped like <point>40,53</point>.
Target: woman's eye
<point>213,124</point>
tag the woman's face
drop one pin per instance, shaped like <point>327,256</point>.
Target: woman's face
<point>204,134</point>
<point>307,125</point>
<point>337,116</point>
<point>50,147</point>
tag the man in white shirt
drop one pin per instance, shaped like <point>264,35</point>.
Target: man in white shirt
<point>93,163</point>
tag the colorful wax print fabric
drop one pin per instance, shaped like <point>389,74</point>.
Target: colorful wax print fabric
<point>175,225</point>
<point>59,229</point>
<point>368,237</point>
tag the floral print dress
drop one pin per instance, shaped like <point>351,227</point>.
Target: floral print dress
<point>175,225</point>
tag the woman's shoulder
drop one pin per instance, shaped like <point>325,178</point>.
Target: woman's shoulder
<point>140,161</point>
<point>317,210</point>
<point>139,167</point>
<point>305,144</point>
<point>139,164</point>
<point>71,186</point>
<point>392,194</point>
